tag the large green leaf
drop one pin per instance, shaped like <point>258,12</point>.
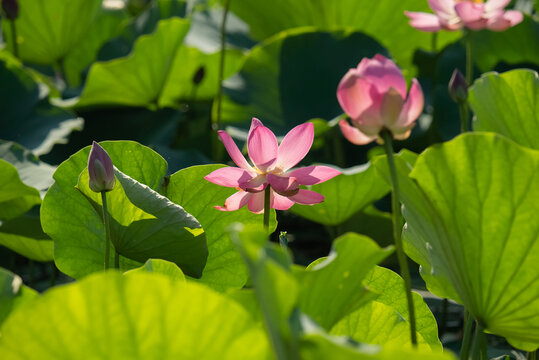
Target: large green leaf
<point>333,288</point>
<point>515,45</point>
<point>25,236</point>
<point>27,116</point>
<point>159,71</point>
<point>508,104</point>
<point>15,197</point>
<point>159,266</point>
<point>385,321</point>
<point>48,30</point>
<point>140,316</point>
<point>318,345</point>
<point>472,207</point>
<point>144,223</point>
<point>268,17</point>
<point>344,195</point>
<point>106,25</point>
<point>224,268</point>
<point>12,293</point>
<point>281,84</point>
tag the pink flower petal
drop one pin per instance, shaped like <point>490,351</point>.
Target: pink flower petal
<point>445,8</point>
<point>508,19</point>
<point>391,107</point>
<point>256,184</point>
<point>311,175</point>
<point>229,176</point>
<point>286,186</point>
<point>254,123</point>
<point>233,151</point>
<point>279,202</point>
<point>353,93</point>
<point>295,146</point>
<point>493,5</point>
<point>413,107</point>
<point>477,25</point>
<point>423,21</point>
<point>307,197</point>
<point>470,12</point>
<point>235,201</point>
<point>353,135</point>
<point>383,74</point>
<point>262,147</point>
<point>256,203</point>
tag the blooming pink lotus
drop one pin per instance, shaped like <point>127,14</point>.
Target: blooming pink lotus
<point>472,14</point>
<point>271,167</point>
<point>374,96</point>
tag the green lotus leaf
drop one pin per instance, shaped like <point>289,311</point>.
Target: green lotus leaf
<point>160,266</point>
<point>140,316</point>
<point>508,104</point>
<point>472,224</point>
<point>144,224</point>
<point>339,202</point>
<point>12,293</point>
<point>48,30</point>
<point>224,268</point>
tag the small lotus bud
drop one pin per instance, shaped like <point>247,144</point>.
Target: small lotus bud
<point>100,169</point>
<point>458,88</point>
<point>199,75</point>
<point>11,9</point>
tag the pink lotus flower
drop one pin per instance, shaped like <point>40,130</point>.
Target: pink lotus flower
<point>473,14</point>
<point>271,167</point>
<point>374,96</point>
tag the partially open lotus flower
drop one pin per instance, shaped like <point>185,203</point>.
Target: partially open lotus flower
<point>472,14</point>
<point>374,97</point>
<point>100,169</point>
<point>271,166</point>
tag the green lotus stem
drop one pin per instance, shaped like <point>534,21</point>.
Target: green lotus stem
<point>216,125</point>
<point>532,355</point>
<point>14,38</point>
<point>283,241</point>
<point>267,195</point>
<point>466,340</point>
<point>469,59</point>
<point>464,116</point>
<point>479,347</point>
<point>434,41</point>
<point>106,221</point>
<point>397,229</point>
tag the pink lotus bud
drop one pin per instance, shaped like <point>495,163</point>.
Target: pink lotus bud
<point>100,169</point>
<point>375,97</point>
<point>11,9</point>
<point>458,87</point>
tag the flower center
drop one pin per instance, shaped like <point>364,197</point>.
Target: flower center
<point>474,1</point>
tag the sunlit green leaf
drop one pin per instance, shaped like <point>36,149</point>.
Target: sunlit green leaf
<point>187,187</point>
<point>159,266</point>
<point>140,316</point>
<point>508,104</point>
<point>472,223</point>
<point>344,195</point>
<point>142,222</point>
<point>15,197</point>
<point>385,321</point>
<point>159,72</point>
<point>268,17</point>
<point>333,288</point>
<point>48,30</point>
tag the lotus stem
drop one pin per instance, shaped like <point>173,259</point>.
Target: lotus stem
<point>466,340</point>
<point>116,259</point>
<point>397,229</point>
<point>106,221</point>
<point>217,120</point>
<point>479,347</point>
<point>469,58</point>
<point>464,116</point>
<point>267,195</point>
<point>14,38</point>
